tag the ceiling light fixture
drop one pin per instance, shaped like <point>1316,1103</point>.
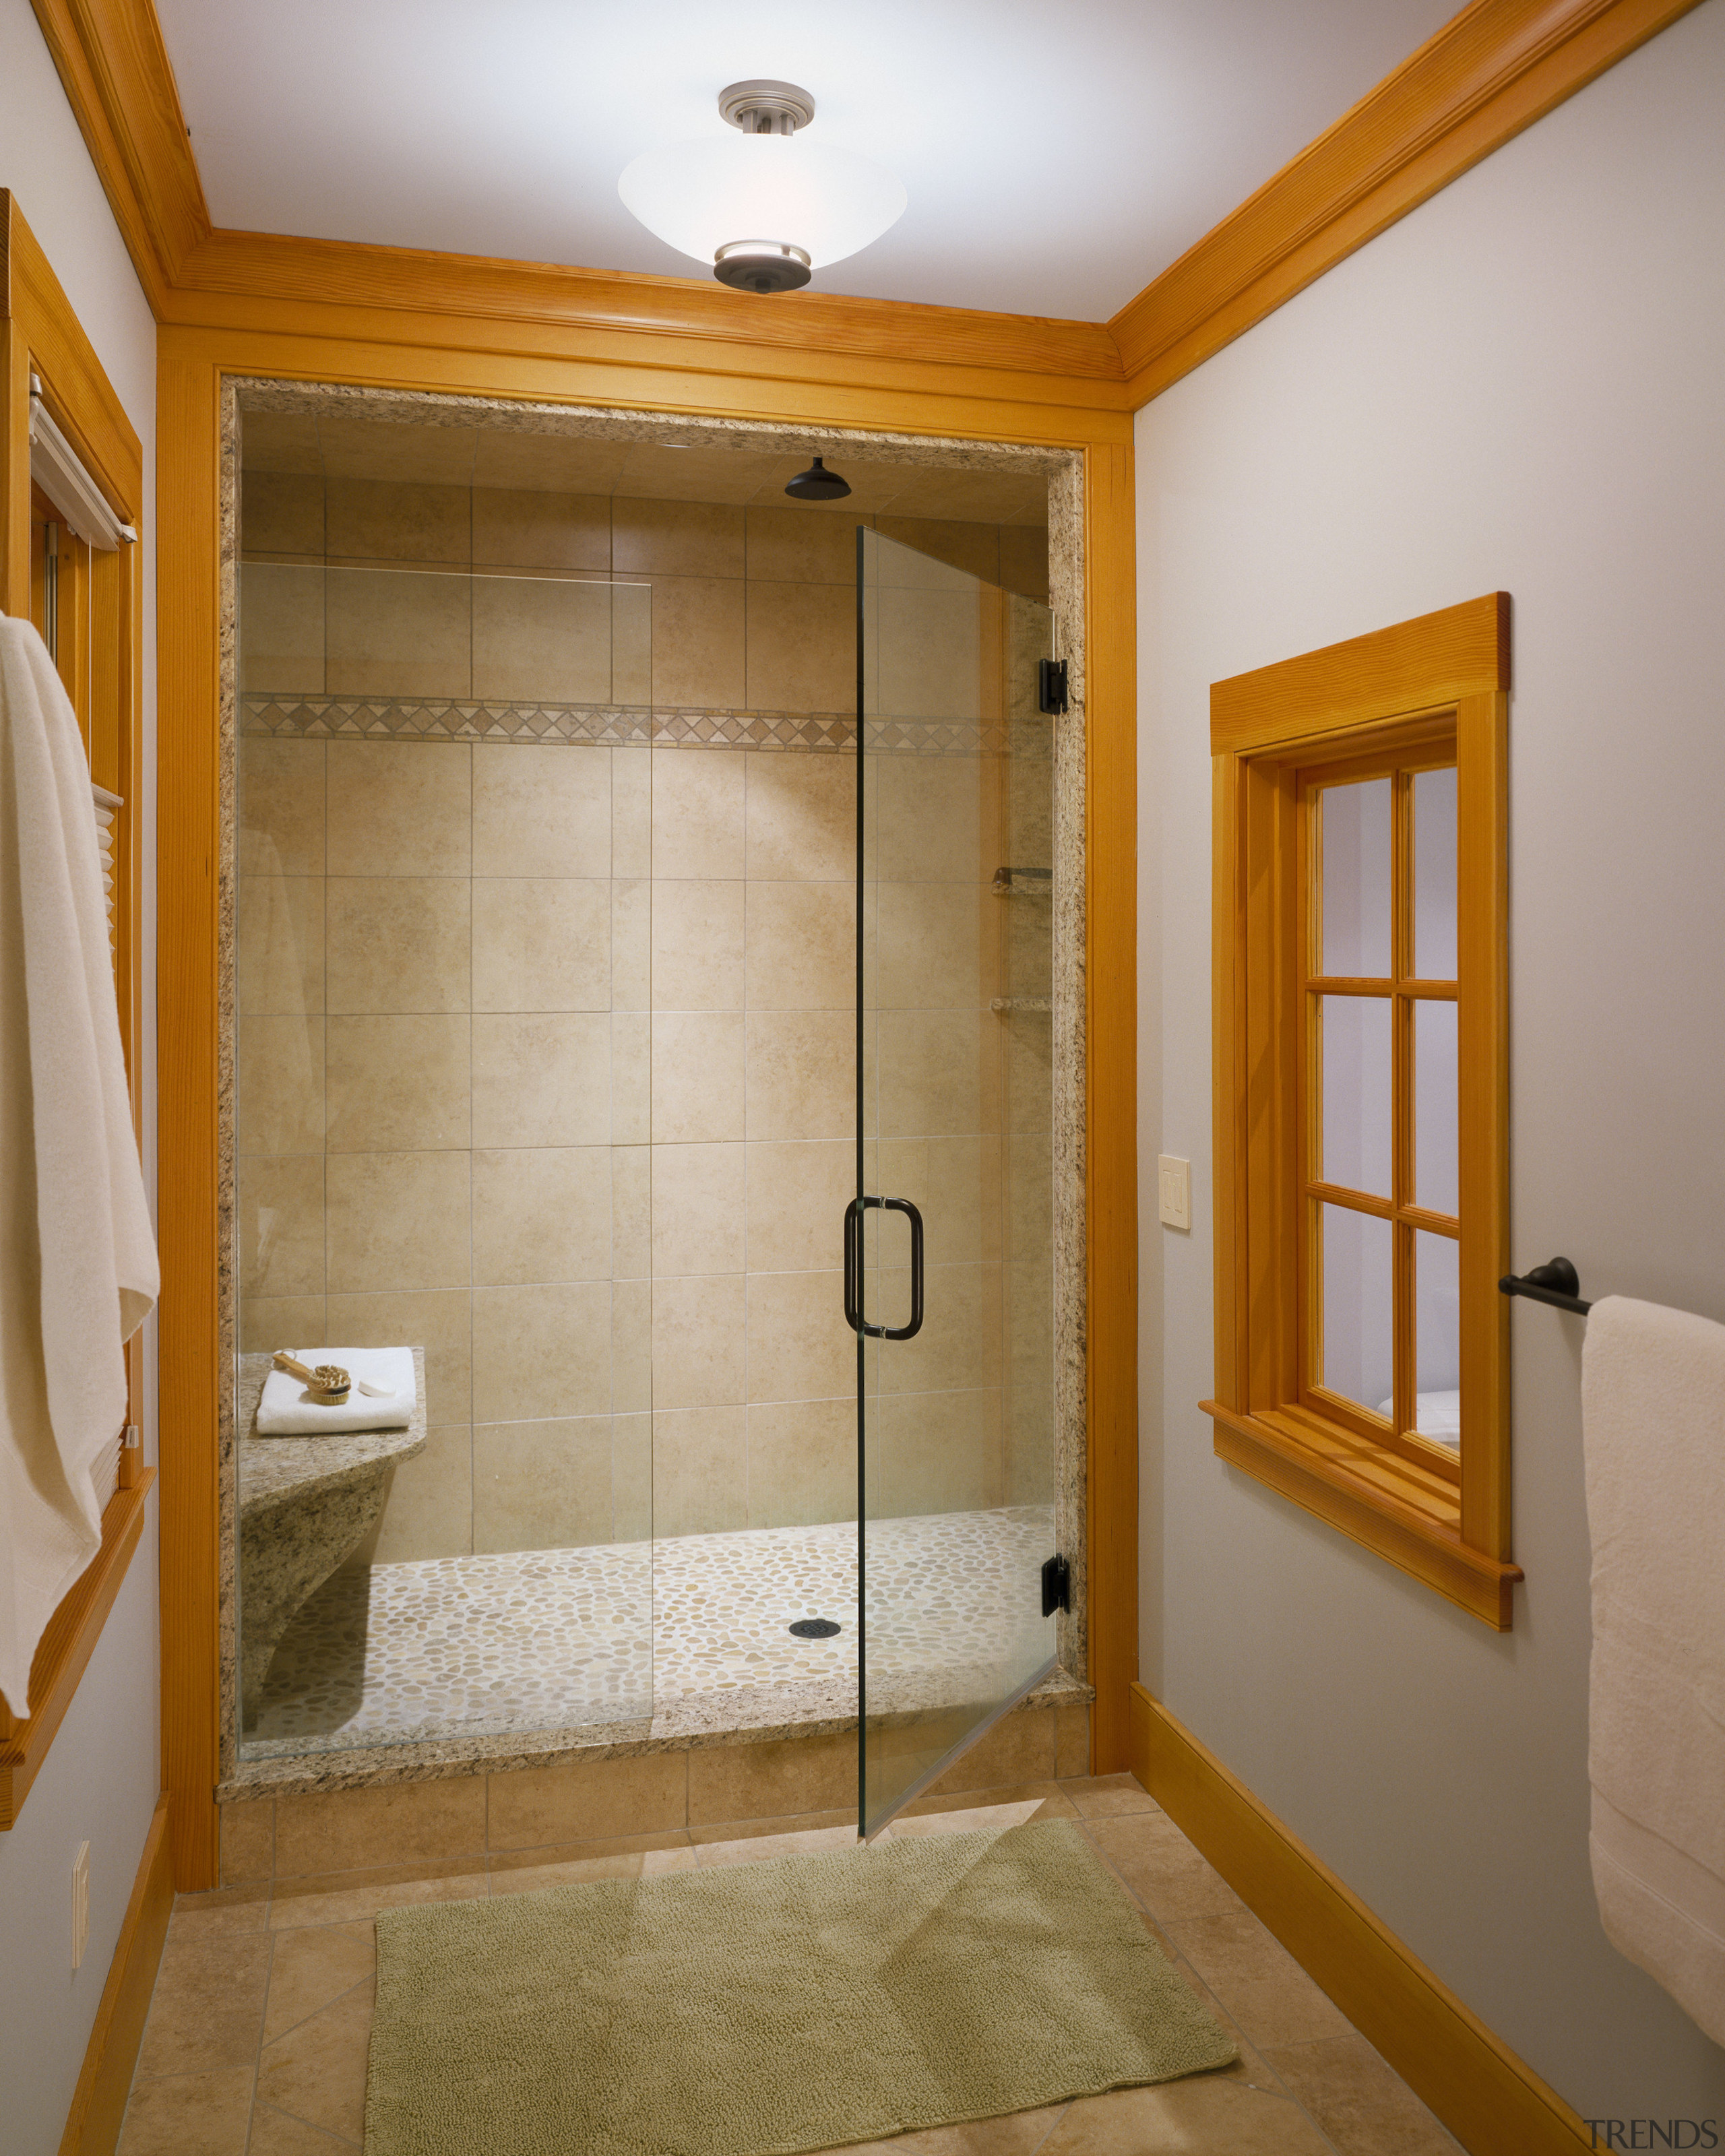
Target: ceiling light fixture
<point>764,205</point>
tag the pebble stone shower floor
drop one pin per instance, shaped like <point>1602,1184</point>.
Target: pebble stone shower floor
<point>555,1638</point>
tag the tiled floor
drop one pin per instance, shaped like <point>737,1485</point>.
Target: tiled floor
<point>257,2037</point>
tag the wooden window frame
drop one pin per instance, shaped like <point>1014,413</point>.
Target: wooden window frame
<point>101,663</point>
<point>1394,694</point>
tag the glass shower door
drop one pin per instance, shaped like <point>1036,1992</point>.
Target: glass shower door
<point>949,1239</point>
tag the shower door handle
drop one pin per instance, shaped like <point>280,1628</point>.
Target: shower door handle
<point>853,1268</point>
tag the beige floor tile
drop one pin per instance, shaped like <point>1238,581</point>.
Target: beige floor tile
<point>273,2134</point>
<point>968,1811</point>
<point>762,1848</point>
<point>317,2071</point>
<point>1162,1868</point>
<point>347,1897</point>
<point>1018,2134</point>
<point>524,1871</point>
<point>1106,1796</point>
<point>1205,2115</point>
<point>228,1909</point>
<point>1362,2104</point>
<point>310,1969</point>
<point>1257,1980</point>
<point>189,2115</point>
<point>207,2005</point>
<point>799,1823</point>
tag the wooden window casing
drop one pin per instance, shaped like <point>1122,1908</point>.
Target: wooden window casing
<point>1419,696</point>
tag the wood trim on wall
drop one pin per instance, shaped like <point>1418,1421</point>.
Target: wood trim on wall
<point>98,2102</point>
<point>1491,2101</point>
<point>1496,69</point>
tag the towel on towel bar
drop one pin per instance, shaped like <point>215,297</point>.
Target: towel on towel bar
<point>78,1271</point>
<point>287,1409</point>
<point>1653,1424</point>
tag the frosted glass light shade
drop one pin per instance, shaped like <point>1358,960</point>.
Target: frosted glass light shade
<point>700,197</point>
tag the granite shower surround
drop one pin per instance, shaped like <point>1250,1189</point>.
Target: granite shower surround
<point>1060,471</point>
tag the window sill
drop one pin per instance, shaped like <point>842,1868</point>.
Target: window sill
<point>66,1647</point>
<point>1407,1517</point>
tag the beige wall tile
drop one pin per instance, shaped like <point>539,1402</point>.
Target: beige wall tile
<point>1020,1748</point>
<point>801,817</point>
<point>959,1347</point>
<point>928,817</point>
<point>677,538</point>
<point>632,811</point>
<point>802,1074</point>
<point>542,943</point>
<point>631,1078</point>
<point>247,1838</point>
<point>766,1781</point>
<point>958,1184</point>
<point>632,1478</point>
<point>429,1509</point>
<point>339,1830</point>
<point>698,1077</point>
<point>525,528</point>
<point>400,809</point>
<point>540,810</point>
<point>278,945</point>
<point>399,1084</point>
<point>799,1347</point>
<point>554,463</point>
<point>588,1800</point>
<point>439,1320</point>
<point>542,1080</point>
<point>372,520</point>
<point>269,1321</point>
<point>281,807</point>
<point>280,1100</point>
<point>699,1471</point>
<point>698,804</point>
<point>798,1192</point>
<point>1023,559</point>
<point>632,1352</point>
<point>541,1353</point>
<point>698,1208</point>
<point>631,944</point>
<point>802,648</point>
<point>542,1214</point>
<point>281,441</point>
<point>282,629</point>
<point>282,512</point>
<point>698,1342</point>
<point>698,644</point>
<point>788,545</point>
<point>975,548</point>
<point>281,1231</point>
<point>698,931</point>
<point>932,1452</point>
<point>541,639</point>
<point>369,449</point>
<point>933,1075</point>
<point>802,947</point>
<point>928,951</point>
<point>397,633</point>
<point>631,1212</point>
<point>399,943</point>
<point>541,1485</point>
<point>802,1462</point>
<point>1071,1741</point>
<point>398,1220</point>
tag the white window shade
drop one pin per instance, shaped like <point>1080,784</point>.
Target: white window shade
<point>57,468</point>
<point>108,806</point>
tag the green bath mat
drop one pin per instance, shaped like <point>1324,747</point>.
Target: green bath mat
<point>755,2010</point>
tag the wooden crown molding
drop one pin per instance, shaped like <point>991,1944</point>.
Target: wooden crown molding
<point>1498,67</point>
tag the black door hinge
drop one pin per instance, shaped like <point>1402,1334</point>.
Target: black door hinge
<point>1051,684</point>
<point>1056,1586</point>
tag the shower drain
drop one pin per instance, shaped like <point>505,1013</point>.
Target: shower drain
<point>814,1627</point>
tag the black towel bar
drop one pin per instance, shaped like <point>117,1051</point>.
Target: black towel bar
<point>1556,1284</point>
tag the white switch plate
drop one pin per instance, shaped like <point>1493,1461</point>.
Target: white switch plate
<point>1174,1191</point>
<point>80,1903</point>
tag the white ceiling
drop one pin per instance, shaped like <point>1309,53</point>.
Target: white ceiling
<point>1057,156</point>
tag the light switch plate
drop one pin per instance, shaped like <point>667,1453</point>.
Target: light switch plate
<point>1174,1191</point>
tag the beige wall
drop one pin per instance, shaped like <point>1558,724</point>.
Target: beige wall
<point>1517,388</point>
<point>546,1051</point>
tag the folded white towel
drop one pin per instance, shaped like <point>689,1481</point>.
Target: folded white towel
<point>1437,1418</point>
<point>1653,1430</point>
<point>76,1254</point>
<point>287,1409</point>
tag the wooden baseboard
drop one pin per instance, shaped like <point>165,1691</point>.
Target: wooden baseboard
<point>1493,2103</point>
<point>99,2104</point>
